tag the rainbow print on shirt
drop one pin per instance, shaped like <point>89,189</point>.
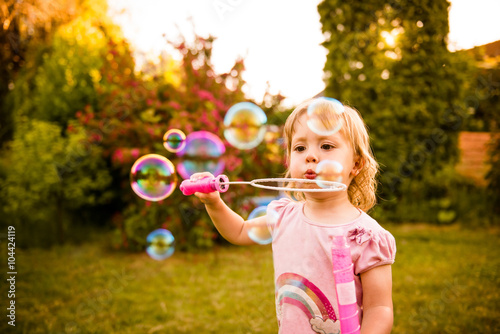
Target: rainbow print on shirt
<point>296,290</point>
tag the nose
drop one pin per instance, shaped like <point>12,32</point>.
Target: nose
<point>311,156</point>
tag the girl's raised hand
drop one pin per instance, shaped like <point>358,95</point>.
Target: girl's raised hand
<point>206,198</point>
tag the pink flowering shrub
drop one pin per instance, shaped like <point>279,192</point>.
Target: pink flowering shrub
<point>135,111</point>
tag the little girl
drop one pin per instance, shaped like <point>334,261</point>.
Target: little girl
<point>305,288</point>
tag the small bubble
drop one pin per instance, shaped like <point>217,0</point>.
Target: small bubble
<point>174,140</point>
<point>328,170</point>
<point>160,244</point>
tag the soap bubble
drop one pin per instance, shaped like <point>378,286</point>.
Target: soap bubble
<point>272,220</point>
<point>153,178</point>
<point>160,244</point>
<point>202,153</point>
<point>245,125</point>
<point>259,232</point>
<point>323,116</point>
<point>174,140</point>
<point>328,170</point>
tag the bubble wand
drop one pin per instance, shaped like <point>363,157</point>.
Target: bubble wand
<point>221,184</point>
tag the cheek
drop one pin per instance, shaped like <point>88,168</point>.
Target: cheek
<point>293,165</point>
<point>295,159</point>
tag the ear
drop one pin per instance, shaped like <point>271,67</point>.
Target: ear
<point>359,163</point>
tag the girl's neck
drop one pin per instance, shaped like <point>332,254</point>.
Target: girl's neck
<point>336,210</point>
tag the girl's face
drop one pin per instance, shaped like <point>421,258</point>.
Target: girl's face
<point>308,149</point>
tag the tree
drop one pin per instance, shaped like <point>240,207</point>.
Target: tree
<point>488,88</point>
<point>59,76</point>
<point>25,26</point>
<point>389,59</point>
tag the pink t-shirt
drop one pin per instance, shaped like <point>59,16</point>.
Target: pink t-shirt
<point>306,300</point>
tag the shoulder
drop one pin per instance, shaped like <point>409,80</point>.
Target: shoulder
<point>282,205</point>
<point>284,210</point>
<point>368,222</point>
<point>371,244</point>
<point>366,228</point>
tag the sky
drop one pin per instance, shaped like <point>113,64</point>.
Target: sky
<point>280,40</point>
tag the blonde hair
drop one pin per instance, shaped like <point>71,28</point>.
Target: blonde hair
<point>361,190</point>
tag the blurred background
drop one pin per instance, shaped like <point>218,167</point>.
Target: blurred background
<point>88,87</point>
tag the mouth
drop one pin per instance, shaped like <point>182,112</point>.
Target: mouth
<point>310,174</point>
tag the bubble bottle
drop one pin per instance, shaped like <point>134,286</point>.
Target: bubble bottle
<point>344,285</point>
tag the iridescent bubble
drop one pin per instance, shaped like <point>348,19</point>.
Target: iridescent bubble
<point>328,170</point>
<point>153,178</point>
<point>323,116</point>
<point>174,140</point>
<point>202,153</point>
<point>259,232</point>
<point>245,125</point>
<point>272,217</point>
<point>272,220</point>
<point>160,244</point>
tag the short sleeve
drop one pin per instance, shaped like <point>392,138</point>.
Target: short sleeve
<point>275,211</point>
<point>371,249</point>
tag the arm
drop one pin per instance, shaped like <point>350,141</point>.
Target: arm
<point>229,224</point>
<point>377,300</point>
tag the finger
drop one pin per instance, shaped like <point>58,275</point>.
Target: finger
<point>207,198</point>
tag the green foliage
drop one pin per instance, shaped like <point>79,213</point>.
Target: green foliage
<point>483,100</point>
<point>493,175</point>
<point>389,60</point>
<point>486,117</point>
<point>26,25</point>
<point>48,176</point>
<point>61,78</point>
<point>60,75</point>
<point>483,106</point>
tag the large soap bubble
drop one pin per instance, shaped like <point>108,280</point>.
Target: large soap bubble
<point>153,178</point>
<point>160,244</point>
<point>323,116</point>
<point>244,125</point>
<point>203,152</point>
<point>259,232</point>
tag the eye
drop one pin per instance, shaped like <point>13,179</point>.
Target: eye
<point>327,147</point>
<point>299,148</point>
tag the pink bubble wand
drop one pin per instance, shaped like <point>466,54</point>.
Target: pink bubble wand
<point>221,184</point>
<point>345,288</point>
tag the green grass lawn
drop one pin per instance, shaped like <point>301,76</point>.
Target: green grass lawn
<point>446,280</point>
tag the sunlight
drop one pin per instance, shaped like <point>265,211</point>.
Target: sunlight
<point>473,23</point>
<point>389,38</point>
<point>276,49</point>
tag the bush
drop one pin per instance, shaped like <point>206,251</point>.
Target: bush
<point>49,177</point>
<point>136,109</point>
